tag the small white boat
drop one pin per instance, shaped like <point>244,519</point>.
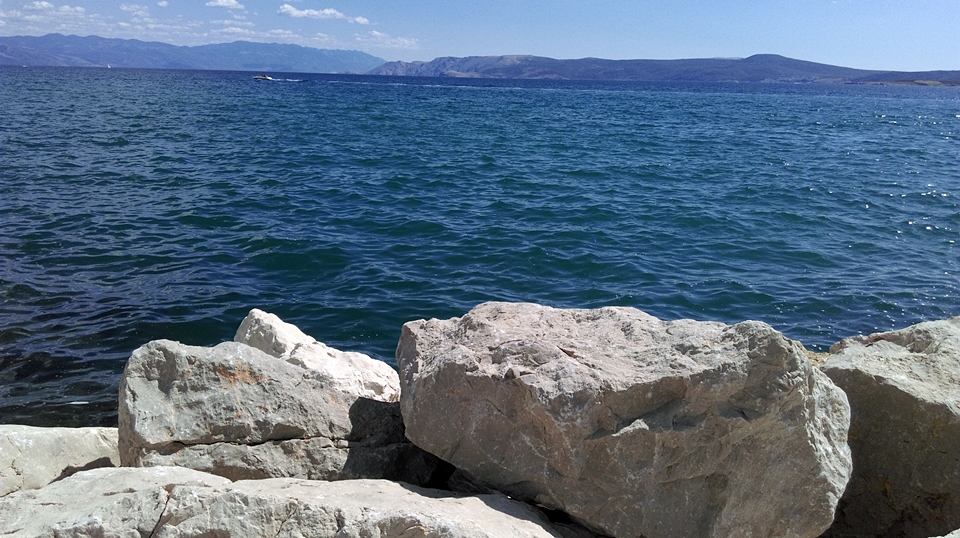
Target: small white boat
<point>263,76</point>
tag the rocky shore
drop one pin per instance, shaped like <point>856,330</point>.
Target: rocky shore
<point>514,420</point>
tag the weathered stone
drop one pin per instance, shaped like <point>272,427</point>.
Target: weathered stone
<point>632,425</point>
<point>173,502</point>
<point>31,457</point>
<point>120,502</point>
<point>904,392</point>
<point>235,411</point>
<point>954,534</point>
<point>345,371</point>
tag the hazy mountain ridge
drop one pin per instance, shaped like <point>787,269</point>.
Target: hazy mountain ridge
<point>757,68</point>
<point>91,51</point>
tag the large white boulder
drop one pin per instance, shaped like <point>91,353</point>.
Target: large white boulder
<point>904,392</point>
<point>345,371</point>
<point>632,425</point>
<point>235,411</point>
<point>168,502</point>
<point>32,457</point>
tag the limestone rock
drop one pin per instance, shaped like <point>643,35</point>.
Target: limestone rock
<point>235,411</point>
<point>632,425</point>
<point>174,502</point>
<point>117,502</point>
<point>32,457</point>
<point>904,392</point>
<point>348,372</point>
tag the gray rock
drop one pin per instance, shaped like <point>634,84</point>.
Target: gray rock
<point>904,392</point>
<point>235,411</point>
<point>108,502</point>
<point>32,457</point>
<point>954,534</point>
<point>632,425</point>
<point>174,502</point>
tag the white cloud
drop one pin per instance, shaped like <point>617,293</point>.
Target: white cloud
<point>360,20</point>
<point>328,13</point>
<point>233,23</point>
<point>136,9</point>
<point>164,3</point>
<point>229,4</point>
<point>41,17</point>
<point>47,7</point>
<point>233,30</point>
<point>377,39</point>
<point>40,11</point>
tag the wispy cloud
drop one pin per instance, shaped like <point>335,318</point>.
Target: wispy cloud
<point>136,9</point>
<point>328,13</point>
<point>377,39</point>
<point>233,23</point>
<point>164,3</point>
<point>41,12</point>
<point>229,4</point>
<point>48,8</point>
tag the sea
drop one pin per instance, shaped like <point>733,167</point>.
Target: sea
<point>145,204</point>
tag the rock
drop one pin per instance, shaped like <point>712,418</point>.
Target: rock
<point>237,412</point>
<point>100,502</point>
<point>904,392</point>
<point>174,502</point>
<point>632,425</point>
<point>348,372</point>
<point>954,534</point>
<point>32,457</point>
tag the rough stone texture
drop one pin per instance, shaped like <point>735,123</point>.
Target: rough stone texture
<point>632,425</point>
<point>31,457</point>
<point>954,534</point>
<point>173,502</point>
<point>235,411</point>
<point>348,372</point>
<point>904,392</point>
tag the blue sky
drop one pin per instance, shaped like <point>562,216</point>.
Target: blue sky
<point>870,34</point>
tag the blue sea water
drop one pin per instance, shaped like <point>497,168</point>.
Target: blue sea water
<point>145,204</point>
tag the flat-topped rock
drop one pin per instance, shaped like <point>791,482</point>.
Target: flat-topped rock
<point>904,392</point>
<point>32,457</point>
<point>174,502</point>
<point>632,425</point>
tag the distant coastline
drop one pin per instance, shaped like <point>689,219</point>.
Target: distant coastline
<point>93,51</point>
<point>757,68</point>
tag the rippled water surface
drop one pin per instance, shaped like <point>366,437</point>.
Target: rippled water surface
<point>144,204</point>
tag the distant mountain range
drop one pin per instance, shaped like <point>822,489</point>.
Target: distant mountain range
<point>74,51</point>
<point>758,68</point>
<point>60,50</point>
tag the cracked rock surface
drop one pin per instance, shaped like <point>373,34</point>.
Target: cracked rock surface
<point>904,392</point>
<point>161,502</point>
<point>32,457</point>
<point>632,425</point>
<point>238,412</point>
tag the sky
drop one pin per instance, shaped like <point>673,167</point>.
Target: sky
<point>905,35</point>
